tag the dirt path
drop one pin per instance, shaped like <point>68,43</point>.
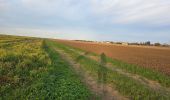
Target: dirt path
<point>110,93</point>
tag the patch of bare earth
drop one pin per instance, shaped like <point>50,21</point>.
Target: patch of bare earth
<point>108,94</point>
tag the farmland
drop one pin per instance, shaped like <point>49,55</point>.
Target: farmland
<point>156,58</point>
<point>150,85</point>
<point>30,69</point>
<point>35,68</point>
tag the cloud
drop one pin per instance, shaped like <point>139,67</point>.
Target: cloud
<point>78,34</point>
<point>68,9</point>
<point>61,33</point>
<point>4,5</point>
<point>134,11</point>
<point>147,12</point>
<point>87,19</point>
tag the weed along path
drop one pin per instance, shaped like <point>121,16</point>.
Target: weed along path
<point>94,86</point>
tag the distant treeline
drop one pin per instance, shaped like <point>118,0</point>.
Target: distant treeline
<point>147,43</point>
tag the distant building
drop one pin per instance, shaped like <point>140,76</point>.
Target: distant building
<point>148,43</point>
<point>107,42</point>
<point>157,44</point>
<point>125,43</point>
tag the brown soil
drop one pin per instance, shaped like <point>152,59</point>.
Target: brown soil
<point>156,58</point>
<point>110,93</point>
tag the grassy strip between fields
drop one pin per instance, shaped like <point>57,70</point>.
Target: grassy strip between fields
<point>125,85</point>
<point>161,78</point>
<point>33,70</point>
<point>62,80</point>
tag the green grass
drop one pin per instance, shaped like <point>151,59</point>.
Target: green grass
<point>32,69</point>
<point>124,84</point>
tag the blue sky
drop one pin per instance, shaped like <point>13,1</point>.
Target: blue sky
<point>115,20</point>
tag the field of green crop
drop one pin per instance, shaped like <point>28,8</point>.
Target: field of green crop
<point>32,68</point>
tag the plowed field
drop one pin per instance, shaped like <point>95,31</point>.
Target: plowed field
<point>157,58</point>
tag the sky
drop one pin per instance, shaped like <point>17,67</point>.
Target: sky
<point>101,20</point>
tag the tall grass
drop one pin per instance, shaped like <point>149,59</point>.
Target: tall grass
<point>20,65</point>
